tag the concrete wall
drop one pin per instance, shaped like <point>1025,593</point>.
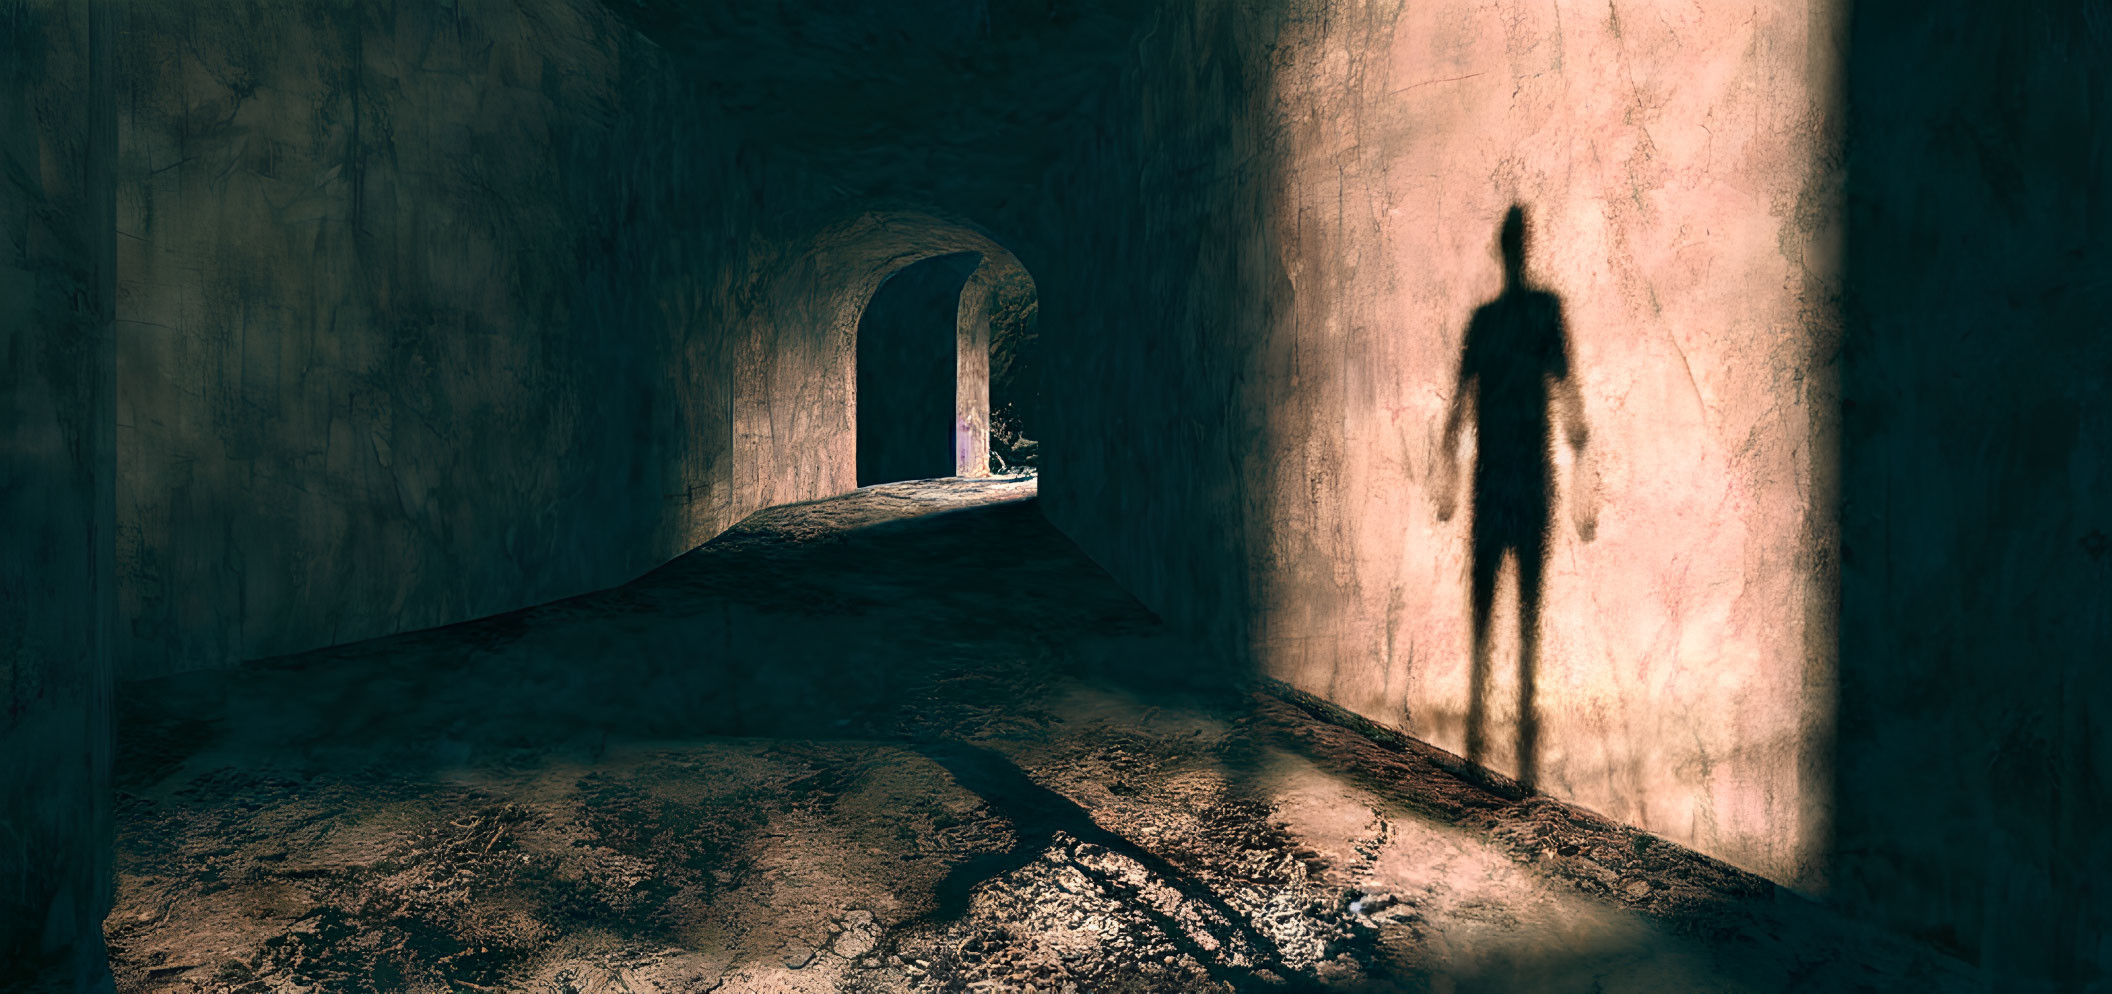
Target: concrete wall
<point>798,436</point>
<point>1825,588</point>
<point>1322,197</point>
<point>1673,164</point>
<point>434,311</point>
<point>440,310</point>
<point>1975,696</point>
<point>875,138</point>
<point>57,150</point>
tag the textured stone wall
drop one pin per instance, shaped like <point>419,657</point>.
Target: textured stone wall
<point>407,312</point>
<point>1824,584</point>
<point>1673,163</point>
<point>57,151</point>
<point>799,436</point>
<point>440,309</point>
<point>1321,198</point>
<point>876,137</point>
<point>1153,320</point>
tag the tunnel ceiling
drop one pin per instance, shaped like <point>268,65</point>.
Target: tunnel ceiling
<point>835,76</point>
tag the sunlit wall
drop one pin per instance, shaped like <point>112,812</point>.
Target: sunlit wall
<point>1248,408</point>
<point>1674,163</point>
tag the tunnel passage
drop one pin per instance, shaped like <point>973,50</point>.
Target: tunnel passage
<point>923,376</point>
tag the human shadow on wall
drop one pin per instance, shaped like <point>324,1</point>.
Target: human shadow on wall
<point>1515,373</point>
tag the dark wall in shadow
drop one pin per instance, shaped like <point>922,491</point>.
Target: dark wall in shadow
<point>1514,381</point>
<point>58,145</point>
<point>1974,766</point>
<point>1156,319</point>
<point>522,313</point>
<point>907,368</point>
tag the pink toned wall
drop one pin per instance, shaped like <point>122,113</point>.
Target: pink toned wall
<point>1671,162</point>
<point>1246,411</point>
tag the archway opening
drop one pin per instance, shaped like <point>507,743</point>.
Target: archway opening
<point>945,357</point>
<point>911,391</point>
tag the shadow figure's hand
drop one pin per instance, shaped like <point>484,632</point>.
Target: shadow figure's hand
<point>1447,492</point>
<point>1584,495</point>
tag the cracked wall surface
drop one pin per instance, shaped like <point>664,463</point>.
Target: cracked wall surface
<point>1674,163</point>
<point>1829,292</point>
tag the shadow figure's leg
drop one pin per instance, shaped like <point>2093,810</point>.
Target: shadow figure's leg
<point>1532,561</point>
<point>1488,555</point>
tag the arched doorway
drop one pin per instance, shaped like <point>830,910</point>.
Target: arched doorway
<point>943,344</point>
<point>797,410</point>
<point>923,375</point>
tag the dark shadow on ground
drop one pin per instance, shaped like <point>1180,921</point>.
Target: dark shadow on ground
<point>1039,815</point>
<point>768,630</point>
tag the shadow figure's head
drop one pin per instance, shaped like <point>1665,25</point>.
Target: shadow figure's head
<point>1513,242</point>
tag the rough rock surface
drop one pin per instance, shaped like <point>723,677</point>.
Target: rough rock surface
<point>908,739</point>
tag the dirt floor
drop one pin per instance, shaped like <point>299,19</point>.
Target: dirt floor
<point>908,739</point>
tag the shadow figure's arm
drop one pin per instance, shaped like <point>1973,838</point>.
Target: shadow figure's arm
<point>1569,406</point>
<point>1448,443</point>
<point>1456,419</point>
<point>1568,397</point>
